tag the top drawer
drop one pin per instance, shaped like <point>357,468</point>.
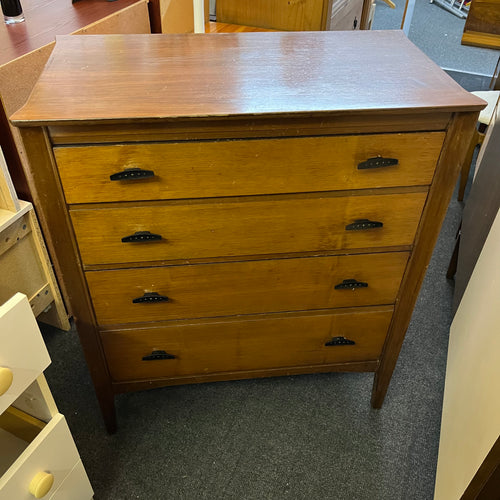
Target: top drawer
<point>245,167</point>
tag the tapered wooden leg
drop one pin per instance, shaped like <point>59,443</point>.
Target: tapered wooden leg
<point>107,404</point>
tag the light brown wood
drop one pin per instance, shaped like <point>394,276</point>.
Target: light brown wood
<point>272,73</point>
<point>245,227</point>
<point>243,345</point>
<point>245,287</point>
<point>295,15</point>
<point>8,196</point>
<point>215,27</point>
<point>222,168</point>
<point>454,149</point>
<point>20,424</point>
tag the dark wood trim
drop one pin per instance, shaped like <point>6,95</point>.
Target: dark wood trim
<point>54,218</point>
<point>455,145</point>
<point>247,128</point>
<point>485,485</point>
<point>154,15</point>
<point>137,385</point>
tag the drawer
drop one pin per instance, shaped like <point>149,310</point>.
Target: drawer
<point>245,167</point>
<point>23,355</point>
<point>52,451</point>
<point>250,226</point>
<point>251,344</point>
<point>76,486</point>
<point>222,289</point>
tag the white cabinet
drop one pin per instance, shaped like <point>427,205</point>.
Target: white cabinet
<point>39,458</point>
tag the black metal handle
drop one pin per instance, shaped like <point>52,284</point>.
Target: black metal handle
<point>351,285</point>
<point>339,341</point>
<point>129,174</point>
<point>377,162</point>
<point>141,236</point>
<point>150,297</point>
<point>362,224</point>
<point>158,355</point>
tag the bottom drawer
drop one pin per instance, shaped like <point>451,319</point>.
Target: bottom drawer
<point>50,450</point>
<point>253,343</point>
<point>75,487</point>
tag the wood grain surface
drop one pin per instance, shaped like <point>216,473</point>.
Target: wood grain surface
<point>245,287</point>
<point>246,226</point>
<point>201,75</point>
<point>47,18</point>
<point>231,168</point>
<point>231,345</point>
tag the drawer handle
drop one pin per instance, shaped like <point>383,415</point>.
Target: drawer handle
<point>377,162</point>
<point>41,484</point>
<point>362,224</point>
<point>351,285</point>
<point>6,377</point>
<point>141,236</point>
<point>158,355</point>
<point>339,341</point>
<point>129,174</point>
<point>150,297</point>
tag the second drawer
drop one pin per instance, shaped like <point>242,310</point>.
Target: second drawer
<point>232,227</point>
<point>221,289</point>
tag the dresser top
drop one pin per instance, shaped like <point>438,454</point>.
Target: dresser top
<point>133,77</point>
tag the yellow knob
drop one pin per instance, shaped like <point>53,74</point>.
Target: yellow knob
<point>40,485</point>
<point>6,377</point>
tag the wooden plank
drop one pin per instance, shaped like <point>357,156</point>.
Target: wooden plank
<point>20,424</point>
<point>262,80</point>
<point>14,232</point>
<point>348,123</point>
<point>8,195</point>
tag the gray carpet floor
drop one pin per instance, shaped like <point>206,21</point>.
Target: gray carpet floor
<point>303,437</point>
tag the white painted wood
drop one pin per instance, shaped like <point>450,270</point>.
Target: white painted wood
<point>471,408</point>
<point>199,16</point>
<point>22,348</point>
<point>53,451</point>
<point>75,487</point>
<point>37,400</point>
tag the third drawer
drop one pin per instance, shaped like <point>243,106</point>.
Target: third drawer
<point>231,288</point>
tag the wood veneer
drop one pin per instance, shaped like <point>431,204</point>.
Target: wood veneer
<point>280,88</point>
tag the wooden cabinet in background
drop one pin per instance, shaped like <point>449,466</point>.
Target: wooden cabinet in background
<point>482,27</point>
<point>243,207</point>
<point>296,15</point>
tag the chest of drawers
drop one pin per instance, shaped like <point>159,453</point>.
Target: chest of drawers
<point>246,205</point>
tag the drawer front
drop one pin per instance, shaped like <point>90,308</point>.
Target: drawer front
<point>245,227</point>
<point>52,451</point>
<point>75,487</point>
<point>23,355</point>
<point>208,290</point>
<point>243,167</point>
<point>252,344</point>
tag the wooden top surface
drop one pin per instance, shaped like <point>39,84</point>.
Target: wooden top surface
<point>124,77</point>
<point>47,18</point>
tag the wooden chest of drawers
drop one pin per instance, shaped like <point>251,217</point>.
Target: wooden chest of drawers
<point>242,205</point>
